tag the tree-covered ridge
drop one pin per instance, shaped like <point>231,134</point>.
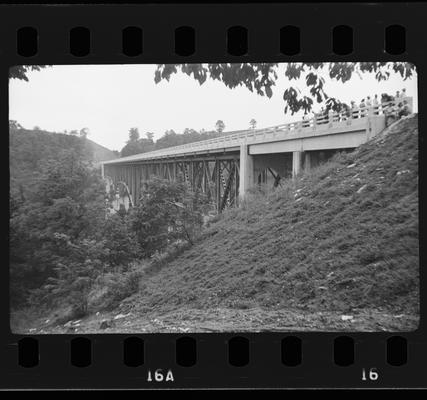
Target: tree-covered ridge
<point>137,145</point>
<point>29,150</point>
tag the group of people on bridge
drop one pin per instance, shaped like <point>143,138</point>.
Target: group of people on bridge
<point>397,106</point>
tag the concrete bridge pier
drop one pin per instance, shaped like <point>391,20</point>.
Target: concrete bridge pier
<point>301,160</point>
<point>297,159</point>
<point>246,170</point>
<point>307,161</point>
<point>263,169</point>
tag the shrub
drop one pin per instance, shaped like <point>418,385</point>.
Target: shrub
<point>120,240</point>
<point>110,289</point>
<point>167,212</point>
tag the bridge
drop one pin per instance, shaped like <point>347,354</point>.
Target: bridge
<point>226,167</point>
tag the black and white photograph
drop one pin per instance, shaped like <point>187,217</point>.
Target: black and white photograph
<point>224,197</point>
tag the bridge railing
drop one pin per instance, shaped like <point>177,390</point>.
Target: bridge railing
<point>234,138</point>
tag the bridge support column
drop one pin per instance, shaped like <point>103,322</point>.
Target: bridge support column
<point>307,161</point>
<point>246,167</point>
<point>296,163</point>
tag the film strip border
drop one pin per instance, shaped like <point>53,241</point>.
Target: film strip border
<point>189,32</point>
<point>238,351</point>
<point>27,40</point>
<point>241,360</point>
<point>231,33</point>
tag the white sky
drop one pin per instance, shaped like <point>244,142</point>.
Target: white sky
<point>110,99</point>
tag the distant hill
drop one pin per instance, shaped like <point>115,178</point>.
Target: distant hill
<point>100,153</point>
<point>29,149</point>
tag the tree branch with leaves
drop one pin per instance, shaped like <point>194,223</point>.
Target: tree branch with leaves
<point>20,71</point>
<point>260,78</point>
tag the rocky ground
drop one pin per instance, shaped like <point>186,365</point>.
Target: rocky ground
<point>230,320</point>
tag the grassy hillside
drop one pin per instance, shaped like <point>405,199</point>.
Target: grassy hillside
<point>342,238</point>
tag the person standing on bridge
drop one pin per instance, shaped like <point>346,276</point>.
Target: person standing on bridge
<point>397,98</point>
<point>305,121</point>
<point>376,105</point>
<point>362,107</point>
<point>369,105</point>
<point>404,109</point>
<point>330,116</point>
<point>347,112</point>
<point>319,117</point>
<point>354,110</point>
<point>324,114</point>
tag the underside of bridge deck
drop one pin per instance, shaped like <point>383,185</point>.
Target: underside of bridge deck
<point>223,179</point>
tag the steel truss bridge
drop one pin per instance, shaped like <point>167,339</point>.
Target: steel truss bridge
<point>226,167</point>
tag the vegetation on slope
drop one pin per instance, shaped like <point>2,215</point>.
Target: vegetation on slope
<point>342,237</point>
<point>69,255</point>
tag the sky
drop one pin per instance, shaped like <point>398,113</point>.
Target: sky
<point>111,99</point>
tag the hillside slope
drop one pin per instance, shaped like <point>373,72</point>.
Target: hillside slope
<point>342,238</point>
<point>334,250</point>
<point>29,150</point>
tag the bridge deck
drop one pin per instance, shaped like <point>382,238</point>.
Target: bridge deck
<point>334,123</point>
<point>227,167</point>
<point>326,125</point>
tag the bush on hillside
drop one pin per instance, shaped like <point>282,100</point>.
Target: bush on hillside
<point>167,212</point>
<point>109,289</point>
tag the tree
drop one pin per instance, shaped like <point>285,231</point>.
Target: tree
<point>132,145</point>
<point>219,126</point>
<point>261,78</point>
<point>135,145</point>
<point>14,125</point>
<point>167,212</point>
<point>252,123</point>
<point>133,135</point>
<point>84,132</point>
<point>67,200</point>
<point>170,138</point>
